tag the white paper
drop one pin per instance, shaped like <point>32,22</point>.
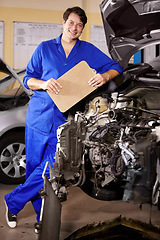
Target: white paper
<point>27,36</point>
<point>98,38</point>
<point>1,38</point>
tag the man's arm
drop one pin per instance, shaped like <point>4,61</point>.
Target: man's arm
<point>99,79</point>
<point>51,85</point>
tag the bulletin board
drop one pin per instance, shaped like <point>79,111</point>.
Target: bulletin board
<point>98,38</point>
<point>1,38</point>
<point>27,36</point>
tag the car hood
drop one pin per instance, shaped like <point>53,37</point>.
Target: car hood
<point>11,76</point>
<point>130,25</point>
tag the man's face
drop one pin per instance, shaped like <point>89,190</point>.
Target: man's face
<point>73,27</point>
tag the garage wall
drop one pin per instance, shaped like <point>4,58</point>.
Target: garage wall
<point>42,11</point>
<point>60,5</point>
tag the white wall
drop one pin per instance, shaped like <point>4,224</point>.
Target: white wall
<point>90,6</point>
<point>42,11</point>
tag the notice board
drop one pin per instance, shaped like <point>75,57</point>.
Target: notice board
<point>98,38</point>
<point>27,36</point>
<point>1,38</point>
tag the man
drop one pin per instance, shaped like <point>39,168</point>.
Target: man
<point>50,60</point>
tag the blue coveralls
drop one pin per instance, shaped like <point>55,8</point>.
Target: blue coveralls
<point>43,117</point>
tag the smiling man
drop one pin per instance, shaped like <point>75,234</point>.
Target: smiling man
<point>50,61</point>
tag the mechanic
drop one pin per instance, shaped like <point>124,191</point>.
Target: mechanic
<point>51,60</point>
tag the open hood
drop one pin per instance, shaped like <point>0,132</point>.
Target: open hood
<point>11,80</point>
<point>130,25</point>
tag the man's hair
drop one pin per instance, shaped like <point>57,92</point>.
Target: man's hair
<point>77,10</point>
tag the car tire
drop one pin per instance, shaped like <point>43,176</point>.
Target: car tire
<point>12,158</point>
<point>110,193</point>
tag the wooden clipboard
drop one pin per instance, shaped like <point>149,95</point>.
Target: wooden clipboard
<point>74,86</point>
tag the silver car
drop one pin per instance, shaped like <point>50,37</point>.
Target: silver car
<point>13,107</point>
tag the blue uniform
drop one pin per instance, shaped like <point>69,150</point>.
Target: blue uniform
<point>43,117</point>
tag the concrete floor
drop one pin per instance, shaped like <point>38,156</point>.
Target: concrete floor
<point>77,211</point>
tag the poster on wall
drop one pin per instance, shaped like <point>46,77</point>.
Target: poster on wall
<point>27,36</point>
<point>98,38</point>
<point>1,38</point>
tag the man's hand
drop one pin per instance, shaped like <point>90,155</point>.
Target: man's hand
<point>99,79</point>
<point>51,85</point>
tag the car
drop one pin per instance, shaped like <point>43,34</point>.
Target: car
<point>14,100</point>
<point>110,145</point>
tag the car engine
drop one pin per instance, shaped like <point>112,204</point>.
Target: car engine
<point>111,149</point>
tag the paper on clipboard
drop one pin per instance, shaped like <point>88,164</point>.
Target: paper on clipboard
<point>74,86</point>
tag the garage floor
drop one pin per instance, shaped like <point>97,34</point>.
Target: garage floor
<point>77,211</point>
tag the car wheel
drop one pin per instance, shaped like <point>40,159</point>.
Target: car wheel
<point>12,158</point>
<point>112,192</point>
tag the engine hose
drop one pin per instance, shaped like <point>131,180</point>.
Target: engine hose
<point>113,162</point>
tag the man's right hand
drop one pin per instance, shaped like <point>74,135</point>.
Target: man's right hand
<point>52,85</point>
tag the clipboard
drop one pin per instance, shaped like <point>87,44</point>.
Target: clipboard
<point>74,86</point>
